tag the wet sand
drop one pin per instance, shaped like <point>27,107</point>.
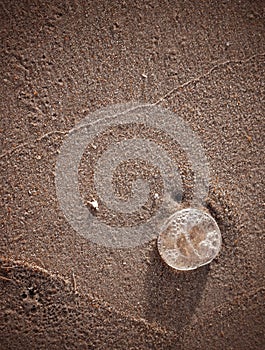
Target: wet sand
<point>60,62</point>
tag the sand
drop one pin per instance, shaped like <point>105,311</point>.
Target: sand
<point>62,61</point>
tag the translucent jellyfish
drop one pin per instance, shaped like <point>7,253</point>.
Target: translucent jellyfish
<point>190,238</point>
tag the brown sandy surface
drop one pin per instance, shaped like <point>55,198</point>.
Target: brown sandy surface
<point>63,60</point>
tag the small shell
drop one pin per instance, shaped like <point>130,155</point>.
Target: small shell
<point>94,204</point>
<point>189,239</point>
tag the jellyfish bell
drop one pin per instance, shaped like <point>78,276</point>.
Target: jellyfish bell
<point>190,238</point>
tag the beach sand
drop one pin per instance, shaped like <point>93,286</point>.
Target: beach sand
<point>61,61</point>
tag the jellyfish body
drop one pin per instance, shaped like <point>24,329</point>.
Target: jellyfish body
<point>190,238</point>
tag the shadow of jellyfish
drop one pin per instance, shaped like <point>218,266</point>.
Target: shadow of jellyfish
<point>172,296</point>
